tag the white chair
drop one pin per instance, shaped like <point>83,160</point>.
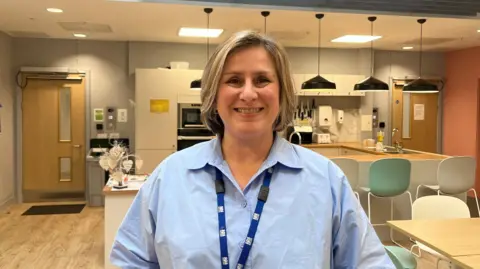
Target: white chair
<point>427,207</point>
<point>455,175</point>
<point>350,169</point>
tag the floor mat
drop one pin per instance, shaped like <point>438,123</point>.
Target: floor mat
<point>54,209</point>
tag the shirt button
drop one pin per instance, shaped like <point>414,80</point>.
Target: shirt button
<point>244,204</point>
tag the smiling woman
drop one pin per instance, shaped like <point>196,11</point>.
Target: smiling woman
<point>284,205</point>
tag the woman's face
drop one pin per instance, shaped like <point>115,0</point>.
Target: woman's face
<point>248,94</point>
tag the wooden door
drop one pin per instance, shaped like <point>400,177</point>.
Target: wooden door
<point>415,115</point>
<point>53,137</point>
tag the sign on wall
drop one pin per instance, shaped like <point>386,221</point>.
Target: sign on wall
<point>159,105</point>
<point>419,112</point>
<point>98,115</point>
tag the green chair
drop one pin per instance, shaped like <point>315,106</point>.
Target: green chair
<point>388,178</point>
<point>401,258</point>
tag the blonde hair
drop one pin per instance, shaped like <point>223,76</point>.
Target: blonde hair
<point>214,69</point>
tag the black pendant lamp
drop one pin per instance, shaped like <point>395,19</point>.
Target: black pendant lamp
<point>420,85</point>
<point>197,84</point>
<point>371,84</point>
<point>318,82</point>
<point>265,15</point>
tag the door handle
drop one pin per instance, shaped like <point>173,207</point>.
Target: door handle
<point>77,146</point>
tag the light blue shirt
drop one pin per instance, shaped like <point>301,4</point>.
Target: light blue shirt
<point>311,220</point>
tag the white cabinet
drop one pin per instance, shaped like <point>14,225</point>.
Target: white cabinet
<point>152,158</point>
<point>185,94</point>
<point>154,89</point>
<point>157,94</point>
<point>328,152</point>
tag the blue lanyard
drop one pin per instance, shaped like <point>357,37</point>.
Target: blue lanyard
<point>222,224</point>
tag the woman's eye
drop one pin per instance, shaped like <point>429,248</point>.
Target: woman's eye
<point>262,81</point>
<point>234,81</point>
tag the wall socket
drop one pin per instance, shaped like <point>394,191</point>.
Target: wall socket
<point>366,123</point>
<point>122,115</point>
<point>111,119</point>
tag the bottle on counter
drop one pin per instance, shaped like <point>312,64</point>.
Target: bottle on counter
<point>381,132</point>
<point>380,136</point>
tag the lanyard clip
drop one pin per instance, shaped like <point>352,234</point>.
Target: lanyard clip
<point>219,186</point>
<point>263,193</point>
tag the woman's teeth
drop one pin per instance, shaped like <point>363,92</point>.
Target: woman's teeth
<point>248,110</point>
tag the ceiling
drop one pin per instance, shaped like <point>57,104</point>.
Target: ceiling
<point>129,21</point>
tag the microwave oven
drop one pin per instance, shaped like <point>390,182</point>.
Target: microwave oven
<point>189,116</point>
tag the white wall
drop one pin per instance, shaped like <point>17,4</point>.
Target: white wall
<point>6,113</point>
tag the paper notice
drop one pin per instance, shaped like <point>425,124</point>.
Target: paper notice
<point>419,112</point>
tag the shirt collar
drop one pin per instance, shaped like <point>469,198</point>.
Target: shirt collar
<point>282,152</point>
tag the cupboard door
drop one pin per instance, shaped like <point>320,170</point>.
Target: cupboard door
<point>327,152</point>
<point>156,108</point>
<point>151,159</point>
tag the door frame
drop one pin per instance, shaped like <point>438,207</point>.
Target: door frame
<point>18,133</point>
<point>395,81</point>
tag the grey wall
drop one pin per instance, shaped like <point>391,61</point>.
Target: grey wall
<point>397,64</point>
<point>107,62</point>
<point>113,65</point>
<point>7,97</point>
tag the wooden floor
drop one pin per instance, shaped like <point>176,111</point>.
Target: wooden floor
<point>51,241</point>
<point>66,241</point>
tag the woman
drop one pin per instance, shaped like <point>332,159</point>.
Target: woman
<point>249,198</point>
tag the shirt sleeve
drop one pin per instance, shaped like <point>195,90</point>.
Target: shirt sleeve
<point>133,246</point>
<point>355,243</point>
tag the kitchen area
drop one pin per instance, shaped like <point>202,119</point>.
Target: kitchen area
<point>142,103</point>
<point>331,123</point>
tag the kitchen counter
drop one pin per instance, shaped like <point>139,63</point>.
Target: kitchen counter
<point>117,203</point>
<point>354,150</point>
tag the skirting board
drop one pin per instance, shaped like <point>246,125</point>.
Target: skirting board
<point>5,203</point>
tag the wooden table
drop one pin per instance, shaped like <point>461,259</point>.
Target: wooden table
<point>457,239</point>
<point>470,261</point>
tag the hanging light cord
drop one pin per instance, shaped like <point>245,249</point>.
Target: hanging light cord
<point>319,17</point>
<point>421,46</point>
<point>265,25</point>
<point>208,36</point>
<point>319,42</point>
<point>372,19</point>
<point>208,11</point>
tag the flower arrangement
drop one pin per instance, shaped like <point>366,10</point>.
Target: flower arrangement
<point>119,162</point>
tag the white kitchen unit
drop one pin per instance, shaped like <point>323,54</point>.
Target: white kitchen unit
<point>152,158</point>
<point>156,96</point>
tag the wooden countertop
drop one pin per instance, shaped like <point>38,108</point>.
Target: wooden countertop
<point>370,156</point>
<point>373,155</point>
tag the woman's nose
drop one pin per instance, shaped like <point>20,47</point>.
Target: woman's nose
<point>249,92</point>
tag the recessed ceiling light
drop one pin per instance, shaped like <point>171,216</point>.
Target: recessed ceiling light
<point>80,35</point>
<point>407,48</point>
<point>355,38</point>
<point>54,10</point>
<point>478,31</point>
<point>199,32</point>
